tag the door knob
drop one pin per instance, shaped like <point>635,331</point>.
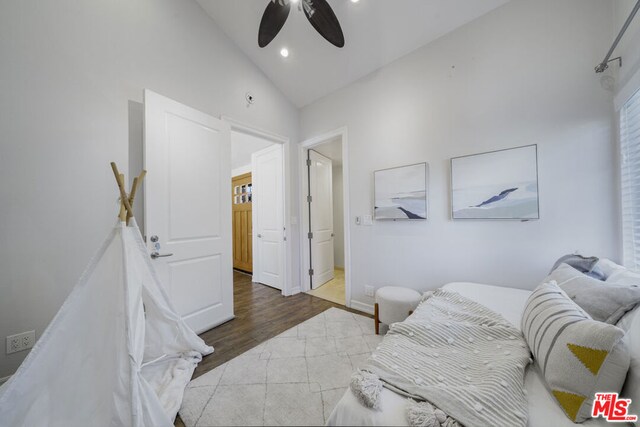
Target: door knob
<point>155,255</point>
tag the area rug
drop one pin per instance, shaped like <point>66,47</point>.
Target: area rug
<point>295,378</point>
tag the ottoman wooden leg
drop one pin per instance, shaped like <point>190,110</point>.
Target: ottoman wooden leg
<point>376,319</point>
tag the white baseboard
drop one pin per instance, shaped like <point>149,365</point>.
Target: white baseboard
<point>361,306</point>
<point>4,379</point>
<point>296,290</point>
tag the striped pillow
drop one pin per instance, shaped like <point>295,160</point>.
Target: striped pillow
<point>577,355</point>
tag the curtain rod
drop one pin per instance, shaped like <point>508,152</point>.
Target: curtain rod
<point>605,62</point>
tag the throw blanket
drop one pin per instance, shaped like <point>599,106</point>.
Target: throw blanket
<point>466,361</point>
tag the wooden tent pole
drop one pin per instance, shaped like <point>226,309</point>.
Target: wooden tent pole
<point>123,210</point>
<point>132,197</point>
<point>134,189</point>
<point>124,199</point>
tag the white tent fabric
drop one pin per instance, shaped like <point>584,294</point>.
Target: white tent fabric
<point>116,354</point>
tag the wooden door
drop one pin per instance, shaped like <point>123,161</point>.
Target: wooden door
<point>188,155</point>
<point>242,200</point>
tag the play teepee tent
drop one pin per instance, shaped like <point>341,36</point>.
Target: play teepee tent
<point>116,354</point>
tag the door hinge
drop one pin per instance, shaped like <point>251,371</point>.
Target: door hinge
<point>309,199</point>
<point>308,162</point>
<point>311,272</point>
<point>310,235</point>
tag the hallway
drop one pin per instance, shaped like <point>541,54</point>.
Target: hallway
<point>333,290</point>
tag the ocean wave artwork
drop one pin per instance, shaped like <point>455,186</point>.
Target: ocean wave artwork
<point>401,193</point>
<point>496,185</point>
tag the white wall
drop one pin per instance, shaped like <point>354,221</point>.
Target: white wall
<point>338,216</point>
<point>71,81</point>
<point>521,74</point>
<point>241,170</point>
<point>242,146</point>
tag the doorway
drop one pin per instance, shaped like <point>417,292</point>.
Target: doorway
<point>258,199</point>
<point>325,225</point>
<point>242,222</point>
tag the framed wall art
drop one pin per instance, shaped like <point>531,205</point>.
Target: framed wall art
<point>401,192</point>
<point>499,184</point>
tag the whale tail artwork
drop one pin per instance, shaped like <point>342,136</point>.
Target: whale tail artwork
<point>502,195</point>
<point>116,353</point>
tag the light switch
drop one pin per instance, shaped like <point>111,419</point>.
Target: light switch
<point>358,222</point>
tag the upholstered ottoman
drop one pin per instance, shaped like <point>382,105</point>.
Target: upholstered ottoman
<point>393,304</point>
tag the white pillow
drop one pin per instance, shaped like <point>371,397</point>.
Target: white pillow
<point>604,301</point>
<point>608,267</point>
<point>577,355</point>
<point>624,277</point>
<point>630,323</point>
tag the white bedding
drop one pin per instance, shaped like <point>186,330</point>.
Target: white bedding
<point>509,302</point>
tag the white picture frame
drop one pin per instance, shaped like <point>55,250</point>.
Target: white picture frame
<point>500,185</point>
<point>400,193</point>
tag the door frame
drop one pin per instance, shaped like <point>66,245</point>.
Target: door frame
<point>303,207</point>
<point>284,142</point>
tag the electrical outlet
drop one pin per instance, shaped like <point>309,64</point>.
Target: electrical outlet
<point>28,339</point>
<point>19,342</point>
<point>13,344</point>
<point>369,291</point>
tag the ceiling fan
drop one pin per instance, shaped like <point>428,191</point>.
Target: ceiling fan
<point>318,12</point>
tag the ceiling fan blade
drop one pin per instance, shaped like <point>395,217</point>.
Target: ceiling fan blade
<point>273,19</point>
<point>322,18</point>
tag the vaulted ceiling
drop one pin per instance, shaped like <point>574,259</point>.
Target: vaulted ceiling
<point>376,32</point>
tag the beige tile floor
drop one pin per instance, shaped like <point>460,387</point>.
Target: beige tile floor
<point>295,378</point>
<point>333,290</point>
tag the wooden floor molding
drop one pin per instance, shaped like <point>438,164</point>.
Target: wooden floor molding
<point>261,313</point>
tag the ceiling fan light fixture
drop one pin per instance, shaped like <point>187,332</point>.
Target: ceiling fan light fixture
<point>318,13</point>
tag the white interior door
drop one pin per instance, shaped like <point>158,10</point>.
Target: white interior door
<point>321,218</point>
<point>268,216</point>
<point>188,209</point>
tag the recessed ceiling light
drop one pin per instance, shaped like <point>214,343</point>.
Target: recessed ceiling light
<point>355,1</point>
<point>296,1</point>
<point>284,52</point>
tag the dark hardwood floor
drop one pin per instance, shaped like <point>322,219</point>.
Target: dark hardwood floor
<point>261,313</point>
